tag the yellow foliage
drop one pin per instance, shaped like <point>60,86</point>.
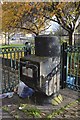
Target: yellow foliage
<point>31,14</point>
<point>16,12</point>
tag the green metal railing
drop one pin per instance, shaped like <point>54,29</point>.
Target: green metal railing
<point>70,66</point>
<point>10,66</point>
<point>73,67</point>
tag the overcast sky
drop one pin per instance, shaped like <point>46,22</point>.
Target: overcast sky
<point>54,26</point>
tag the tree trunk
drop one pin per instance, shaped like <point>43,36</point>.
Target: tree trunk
<point>70,38</point>
<point>5,38</point>
<point>8,38</point>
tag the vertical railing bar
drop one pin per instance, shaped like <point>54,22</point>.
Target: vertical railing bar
<point>3,79</point>
<point>33,50</point>
<point>18,71</point>
<point>79,72</point>
<point>3,52</point>
<point>3,72</point>
<point>15,57</point>
<point>77,68</point>
<point>21,52</point>
<point>70,67</point>
<point>8,67</point>
<point>7,70</point>
<point>15,66</point>
<point>18,60</point>
<point>18,53</point>
<point>11,58</point>
<point>74,68</point>
<point>11,65</point>
<point>67,67</point>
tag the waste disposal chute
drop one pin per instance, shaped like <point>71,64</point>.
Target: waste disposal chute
<point>41,70</point>
<point>47,45</point>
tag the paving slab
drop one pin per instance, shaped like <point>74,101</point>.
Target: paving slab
<point>68,96</point>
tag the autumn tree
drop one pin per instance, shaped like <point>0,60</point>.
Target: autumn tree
<point>34,16</point>
<point>66,15</point>
<point>23,16</point>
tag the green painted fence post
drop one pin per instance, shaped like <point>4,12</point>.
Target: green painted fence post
<point>63,65</point>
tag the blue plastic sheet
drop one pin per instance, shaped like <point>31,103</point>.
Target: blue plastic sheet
<point>70,81</point>
<point>26,92</point>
